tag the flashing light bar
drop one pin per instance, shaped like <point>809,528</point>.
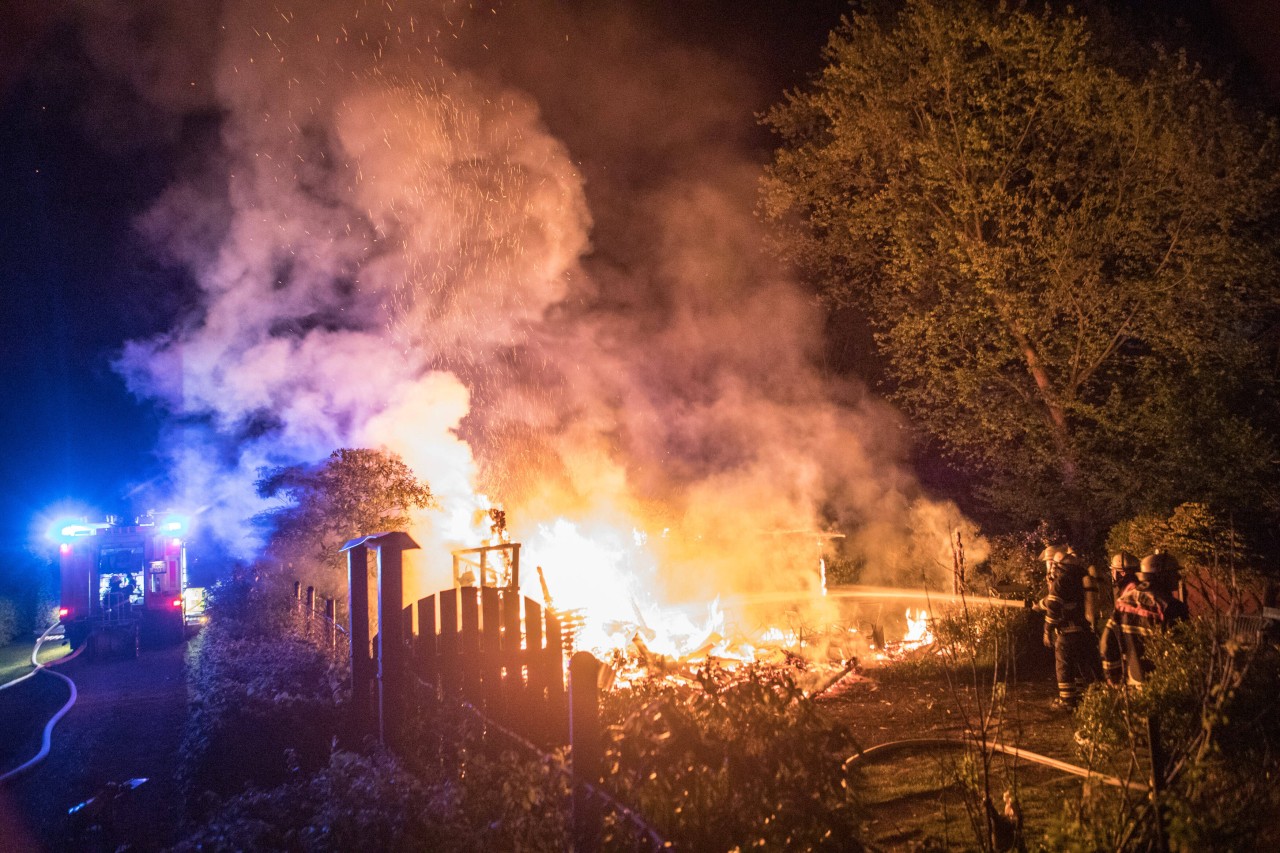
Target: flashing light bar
<point>177,602</point>
<point>79,528</point>
<point>174,524</point>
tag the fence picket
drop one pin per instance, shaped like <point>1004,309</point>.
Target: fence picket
<point>469,652</point>
<point>448,643</point>
<point>425,661</point>
<point>491,651</point>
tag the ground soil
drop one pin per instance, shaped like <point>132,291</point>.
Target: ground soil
<point>913,796</point>
<point>126,724</point>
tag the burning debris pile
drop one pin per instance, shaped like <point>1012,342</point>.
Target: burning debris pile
<point>601,609</point>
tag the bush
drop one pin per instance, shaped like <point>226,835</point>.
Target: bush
<point>744,760</point>
<point>353,803</point>
<point>502,796</point>
<point>260,691</point>
<point>1219,724</point>
<point>8,621</point>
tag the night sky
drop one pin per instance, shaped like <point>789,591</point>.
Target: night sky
<point>82,157</point>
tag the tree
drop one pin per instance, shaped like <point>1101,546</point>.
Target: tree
<point>1065,246</point>
<point>352,493</point>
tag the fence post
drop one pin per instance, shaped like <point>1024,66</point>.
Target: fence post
<point>311,609</point>
<point>331,613</point>
<point>392,668</point>
<point>1159,767</point>
<point>358,622</point>
<point>586,751</point>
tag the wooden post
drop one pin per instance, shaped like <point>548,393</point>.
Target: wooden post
<point>1159,766</point>
<point>331,614</point>
<point>311,609</point>
<point>358,625</point>
<point>586,751</point>
<point>391,649</point>
<point>392,672</point>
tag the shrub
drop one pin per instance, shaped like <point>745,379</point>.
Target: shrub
<point>354,802</point>
<point>502,795</point>
<point>1219,724</point>
<point>8,621</point>
<point>259,690</point>
<point>744,760</point>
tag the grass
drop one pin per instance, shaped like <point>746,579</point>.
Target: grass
<point>15,658</point>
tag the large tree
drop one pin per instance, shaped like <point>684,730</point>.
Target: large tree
<point>353,493</point>
<point>1066,247</point>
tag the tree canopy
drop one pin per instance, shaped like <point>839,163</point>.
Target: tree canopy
<point>352,493</point>
<point>1066,248</point>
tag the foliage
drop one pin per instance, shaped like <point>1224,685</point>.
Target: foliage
<point>353,493</point>
<point>745,761</point>
<point>500,795</point>
<point>356,802</point>
<point>1064,247</point>
<point>8,621</point>
<point>983,633</point>
<point>1214,698</point>
<point>29,582</point>
<point>1216,564</point>
<point>1013,561</point>
<point>260,691</point>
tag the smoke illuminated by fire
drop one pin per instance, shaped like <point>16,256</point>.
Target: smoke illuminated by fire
<point>516,246</point>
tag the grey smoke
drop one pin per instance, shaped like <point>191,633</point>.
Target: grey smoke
<point>515,244</point>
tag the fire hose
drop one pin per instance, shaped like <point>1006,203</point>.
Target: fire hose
<point>46,738</point>
<point>882,749</point>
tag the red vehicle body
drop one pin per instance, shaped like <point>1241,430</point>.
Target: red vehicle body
<point>123,585</point>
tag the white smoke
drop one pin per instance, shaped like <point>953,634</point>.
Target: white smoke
<point>516,246</point>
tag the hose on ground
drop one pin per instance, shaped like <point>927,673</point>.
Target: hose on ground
<point>46,738</point>
<point>880,750</point>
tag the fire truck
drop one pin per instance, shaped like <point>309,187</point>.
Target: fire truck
<point>123,585</point>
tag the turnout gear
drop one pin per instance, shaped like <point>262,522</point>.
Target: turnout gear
<point>1144,609</point>
<point>1066,628</point>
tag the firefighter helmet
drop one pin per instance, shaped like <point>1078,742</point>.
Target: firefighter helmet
<point>1123,563</point>
<point>1059,555</point>
<point>1158,565</point>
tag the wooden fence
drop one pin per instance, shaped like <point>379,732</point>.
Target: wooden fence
<point>497,650</point>
<point>491,649</point>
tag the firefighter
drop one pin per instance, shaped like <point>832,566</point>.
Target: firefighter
<point>1124,572</point>
<point>1143,609</point>
<point>1066,628</point>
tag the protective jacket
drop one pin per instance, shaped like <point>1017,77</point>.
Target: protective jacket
<point>1141,611</point>
<point>1064,605</point>
<point>1068,633</point>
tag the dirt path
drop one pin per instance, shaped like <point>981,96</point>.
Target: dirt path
<point>125,724</point>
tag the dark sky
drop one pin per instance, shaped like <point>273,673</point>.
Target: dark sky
<point>81,158</point>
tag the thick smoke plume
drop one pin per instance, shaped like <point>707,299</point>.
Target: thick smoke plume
<point>515,245</point>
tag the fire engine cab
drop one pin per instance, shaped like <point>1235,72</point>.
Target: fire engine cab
<point>123,585</point>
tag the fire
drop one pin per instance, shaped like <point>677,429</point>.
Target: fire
<point>918,631</point>
<point>604,579</point>
<point>599,577</point>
